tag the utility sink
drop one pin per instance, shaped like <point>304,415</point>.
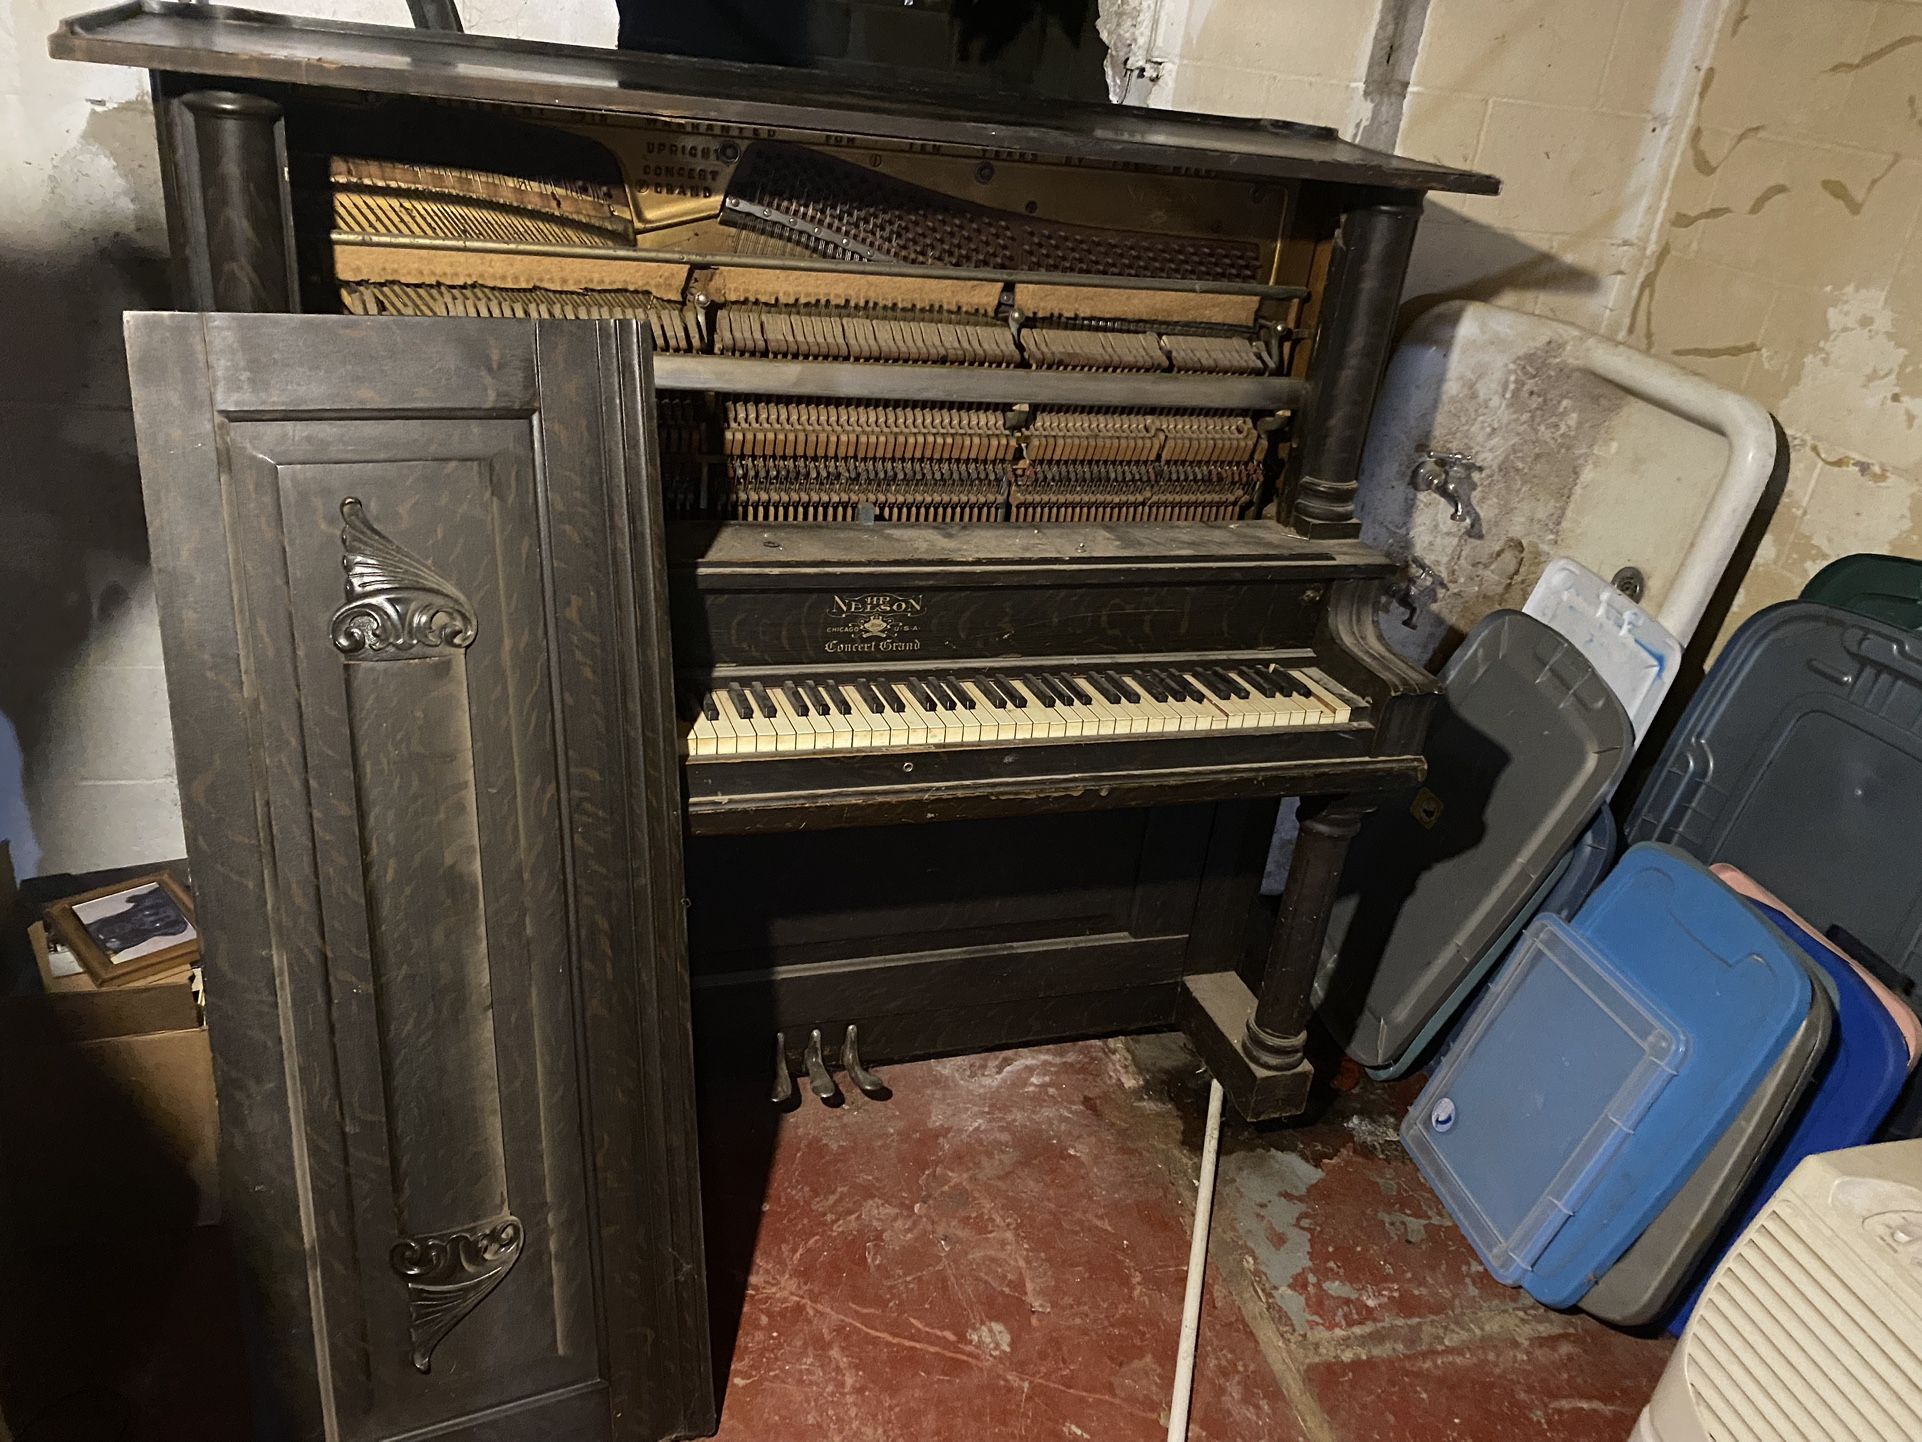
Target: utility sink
<point>1502,441</point>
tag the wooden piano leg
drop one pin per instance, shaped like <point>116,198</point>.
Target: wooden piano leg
<point>1255,1042</point>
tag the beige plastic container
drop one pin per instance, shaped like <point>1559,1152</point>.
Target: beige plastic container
<point>1811,1327</point>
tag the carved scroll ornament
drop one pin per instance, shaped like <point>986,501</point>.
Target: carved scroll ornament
<point>395,600</point>
<point>448,1274</point>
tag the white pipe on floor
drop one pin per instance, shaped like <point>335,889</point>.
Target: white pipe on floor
<point>1197,1271</point>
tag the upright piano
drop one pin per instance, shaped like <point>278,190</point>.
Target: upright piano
<point>1005,455</point>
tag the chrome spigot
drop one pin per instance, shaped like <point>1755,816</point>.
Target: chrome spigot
<point>1417,579</point>
<point>1449,474</point>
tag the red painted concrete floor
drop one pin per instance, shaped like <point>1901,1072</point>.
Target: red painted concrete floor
<point>998,1251</point>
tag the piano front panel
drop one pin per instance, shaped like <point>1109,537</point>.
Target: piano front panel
<point>952,936</point>
<point>848,622</point>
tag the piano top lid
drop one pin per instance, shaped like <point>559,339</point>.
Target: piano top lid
<point>235,44</point>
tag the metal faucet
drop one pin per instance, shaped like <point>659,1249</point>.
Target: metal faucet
<point>1446,473</point>
<point>1416,579</point>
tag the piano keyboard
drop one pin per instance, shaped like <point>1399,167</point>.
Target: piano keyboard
<point>763,716</point>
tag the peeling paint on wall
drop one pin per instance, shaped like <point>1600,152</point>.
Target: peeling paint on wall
<point>1851,382</point>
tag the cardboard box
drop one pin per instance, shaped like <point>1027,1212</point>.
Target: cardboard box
<point>107,1114</point>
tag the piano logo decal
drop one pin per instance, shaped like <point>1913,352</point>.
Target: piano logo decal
<point>873,623</point>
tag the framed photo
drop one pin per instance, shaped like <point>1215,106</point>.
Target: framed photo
<point>129,930</point>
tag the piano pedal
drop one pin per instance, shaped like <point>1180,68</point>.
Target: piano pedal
<point>870,1084</point>
<point>783,1091</point>
<point>820,1079</point>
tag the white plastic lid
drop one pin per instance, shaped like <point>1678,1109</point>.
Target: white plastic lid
<point>1632,651</point>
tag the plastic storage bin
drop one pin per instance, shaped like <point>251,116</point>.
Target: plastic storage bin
<point>1553,1072</point>
<point>1525,746</point>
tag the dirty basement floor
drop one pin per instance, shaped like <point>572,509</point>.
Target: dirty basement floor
<point>998,1251</point>
<point>995,1252</point>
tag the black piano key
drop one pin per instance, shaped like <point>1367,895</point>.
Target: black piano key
<point>1148,682</point>
<point>872,697</point>
<point>1284,679</point>
<point>796,699</point>
<point>963,697</point>
<point>1122,684</point>
<point>940,693</point>
<point>836,696</point>
<point>1058,693</point>
<point>1180,685</point>
<point>1236,691</point>
<point>1104,688</point>
<point>1040,692</point>
<point>1207,684</point>
<point>1251,675</point>
<point>1077,690</point>
<point>709,707</point>
<point>742,707</point>
<point>923,697</point>
<point>892,694</point>
<point>762,701</point>
<point>1012,694</point>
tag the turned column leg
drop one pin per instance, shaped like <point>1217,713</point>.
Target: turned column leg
<point>1352,343</point>
<point>228,202</point>
<point>1254,1040</point>
<point>1276,1034</point>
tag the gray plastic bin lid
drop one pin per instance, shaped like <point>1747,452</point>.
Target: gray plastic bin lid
<point>1648,1278</point>
<point>1525,744</point>
<point>1800,761</point>
<point>1561,893</point>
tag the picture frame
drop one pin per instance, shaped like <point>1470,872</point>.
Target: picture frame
<point>129,930</point>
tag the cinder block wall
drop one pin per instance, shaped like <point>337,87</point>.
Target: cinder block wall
<point>1733,185</point>
<point>1787,264</point>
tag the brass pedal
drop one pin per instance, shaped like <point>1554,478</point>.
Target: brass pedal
<point>870,1084</point>
<point>820,1079</point>
<point>783,1091</point>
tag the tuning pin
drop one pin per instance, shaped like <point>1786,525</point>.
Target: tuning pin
<point>870,1084</point>
<point>820,1080</point>
<point>783,1082</point>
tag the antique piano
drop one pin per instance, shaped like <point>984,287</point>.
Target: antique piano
<point>989,518</point>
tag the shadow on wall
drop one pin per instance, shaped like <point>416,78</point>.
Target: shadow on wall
<point>1461,259</point>
<point>73,540</point>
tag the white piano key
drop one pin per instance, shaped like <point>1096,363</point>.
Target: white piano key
<point>1337,709</point>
